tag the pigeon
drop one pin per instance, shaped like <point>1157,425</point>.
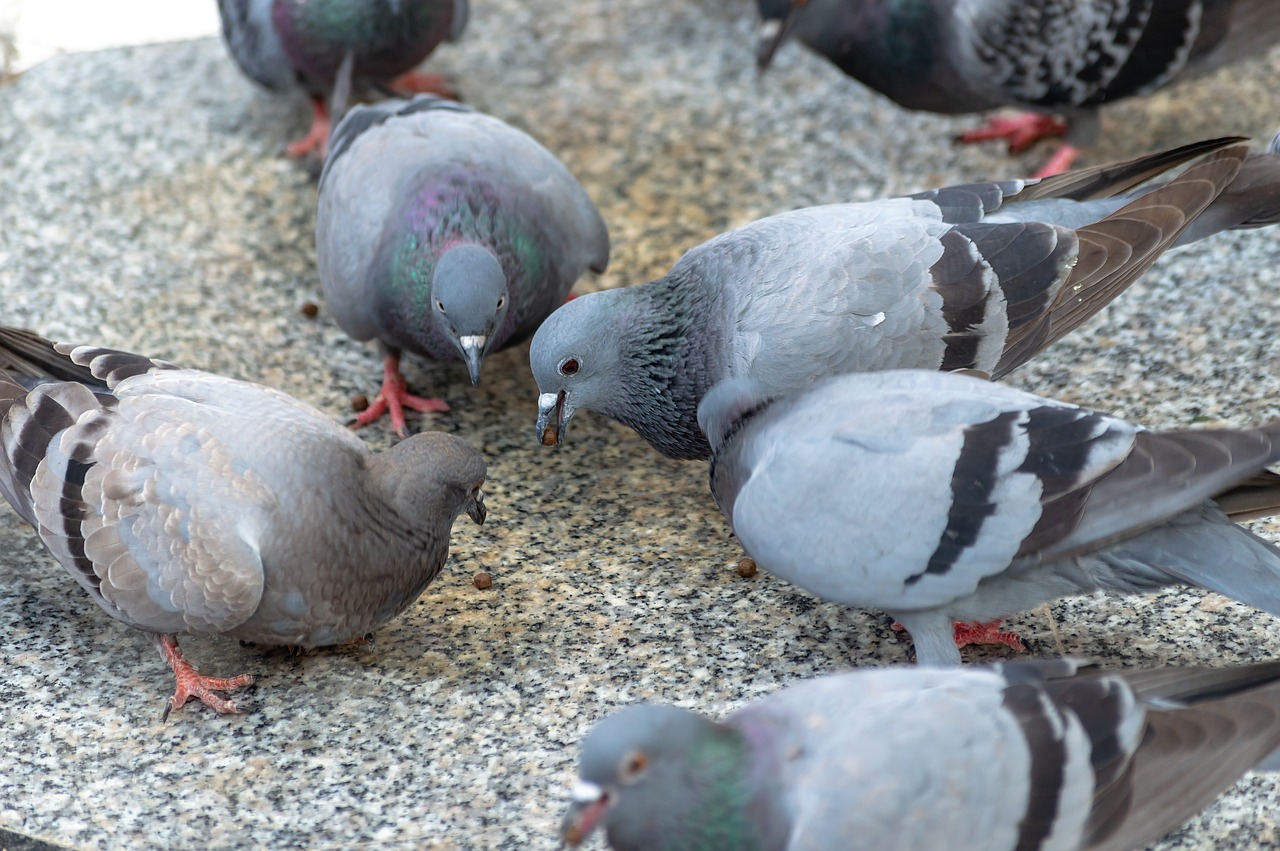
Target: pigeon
<point>189,503</point>
<point>289,44</point>
<point>1053,57</point>
<point>446,232</point>
<point>980,276</point>
<point>1023,755</point>
<point>942,497</point>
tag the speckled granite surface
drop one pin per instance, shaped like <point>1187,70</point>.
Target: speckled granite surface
<point>143,203</point>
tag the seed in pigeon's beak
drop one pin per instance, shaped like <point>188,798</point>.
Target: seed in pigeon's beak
<point>589,805</point>
<point>552,419</point>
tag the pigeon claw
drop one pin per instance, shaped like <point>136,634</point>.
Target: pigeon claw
<point>978,633</point>
<point>394,398</point>
<point>417,83</point>
<point>317,139</point>
<point>1062,160</point>
<point>1021,131</point>
<point>193,684</point>
<point>985,633</point>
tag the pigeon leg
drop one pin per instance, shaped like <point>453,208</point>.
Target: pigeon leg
<point>394,398</point>
<point>979,633</point>
<point>986,633</point>
<point>1022,131</point>
<point>415,82</point>
<point>317,138</point>
<point>1061,161</point>
<point>191,683</point>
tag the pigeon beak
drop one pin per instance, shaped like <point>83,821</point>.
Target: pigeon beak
<point>475,507</point>
<point>554,414</point>
<point>589,805</point>
<point>472,346</point>
<point>773,32</point>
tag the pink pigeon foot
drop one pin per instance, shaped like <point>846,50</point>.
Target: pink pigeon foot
<point>1061,161</point>
<point>191,683</point>
<point>985,633</point>
<point>415,82</point>
<point>978,633</point>
<point>394,398</point>
<point>1022,131</point>
<point>317,138</point>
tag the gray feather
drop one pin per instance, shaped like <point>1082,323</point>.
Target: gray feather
<point>407,180</point>
<point>941,497</point>
<point>956,56</point>
<point>1020,756</point>
<point>978,277</point>
<point>186,502</point>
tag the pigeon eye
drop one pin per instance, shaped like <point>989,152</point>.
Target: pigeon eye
<point>440,305</point>
<point>633,766</point>
<point>569,366</point>
<point>501,302</point>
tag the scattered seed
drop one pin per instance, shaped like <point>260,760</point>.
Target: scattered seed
<point>483,581</point>
<point>746,567</point>
<point>359,402</point>
<point>310,309</point>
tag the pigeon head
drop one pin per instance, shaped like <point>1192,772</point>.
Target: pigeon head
<point>432,476</point>
<point>577,359</point>
<point>469,300</point>
<point>656,777</point>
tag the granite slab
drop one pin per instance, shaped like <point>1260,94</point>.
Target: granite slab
<point>145,203</point>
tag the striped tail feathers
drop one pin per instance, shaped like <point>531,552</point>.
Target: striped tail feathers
<point>1162,743</point>
<point>1256,497</point>
<point>1252,200</point>
<point>1105,181</point>
<point>31,424</point>
<point>971,202</point>
<point>1204,729</point>
<point>112,366</point>
<point>27,355</point>
<point>1118,249</point>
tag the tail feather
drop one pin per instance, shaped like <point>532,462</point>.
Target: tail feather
<point>1257,496</point>
<point>1207,551</point>
<point>1252,200</point>
<point>1106,181</point>
<point>1115,251</point>
<point>1228,721</point>
<point>25,354</point>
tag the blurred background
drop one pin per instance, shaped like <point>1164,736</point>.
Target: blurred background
<point>31,31</point>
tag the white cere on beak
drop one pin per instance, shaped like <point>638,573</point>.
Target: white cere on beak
<point>473,341</point>
<point>586,793</point>
<point>769,29</point>
<point>547,401</point>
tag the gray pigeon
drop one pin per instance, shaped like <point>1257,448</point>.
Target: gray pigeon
<point>449,233</point>
<point>981,276</point>
<point>1055,57</point>
<point>940,497</point>
<point>289,44</point>
<point>186,502</point>
<point>1029,755</point>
